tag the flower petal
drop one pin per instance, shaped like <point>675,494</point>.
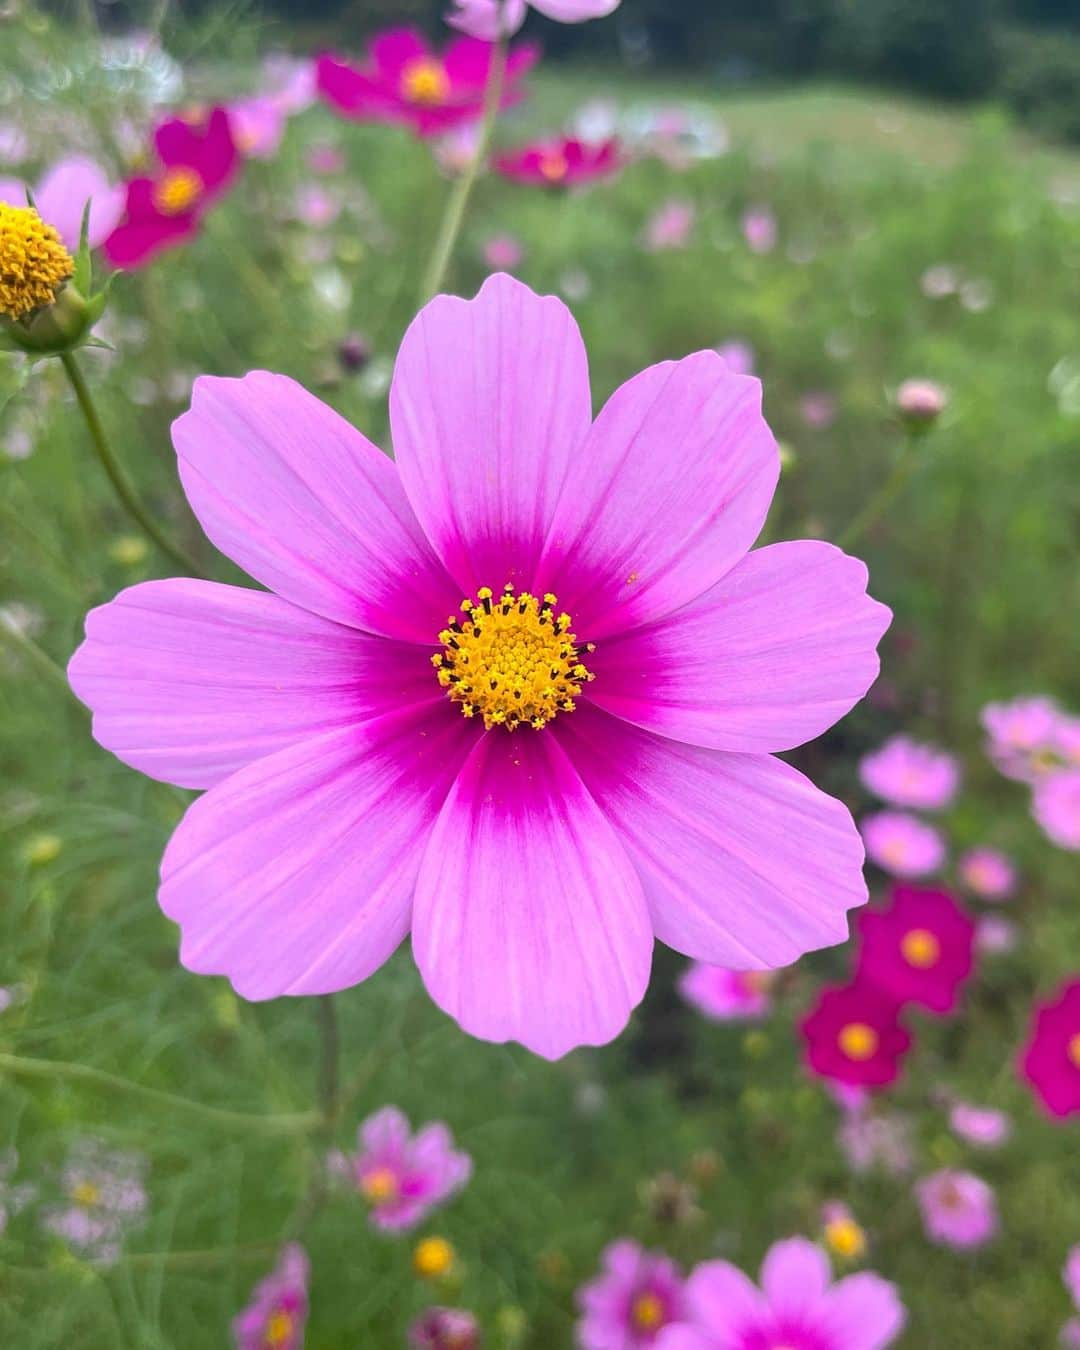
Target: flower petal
<point>490,402</point>
<point>308,506</point>
<point>529,924</point>
<point>62,196</point>
<point>745,864</point>
<point>863,1312</point>
<point>724,1300</point>
<point>668,493</point>
<point>794,1276</point>
<point>190,680</point>
<point>769,657</point>
<point>295,875</point>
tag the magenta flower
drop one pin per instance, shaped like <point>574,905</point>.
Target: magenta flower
<point>908,773</point>
<point>1055,804</point>
<point>853,1035</point>
<point>104,1197</point>
<point>919,950</point>
<point>1051,1058</point>
<point>277,1314</point>
<point>444,1329</point>
<point>670,227</point>
<point>405,82</point>
<point>197,162</point>
<point>726,995</point>
<point>635,1296</point>
<point>63,192</point>
<point>797,1306</point>
<point>979,1125</point>
<point>404,1176</point>
<point>987,873</point>
<point>490,19</point>
<point>368,759</point>
<point>1026,738</point>
<point>958,1209</point>
<point>759,229</point>
<point>562,162</point>
<point>902,845</point>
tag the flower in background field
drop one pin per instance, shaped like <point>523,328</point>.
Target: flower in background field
<point>1071,1274</point>
<point>434,1258</point>
<point>921,402</point>
<point>919,950</point>
<point>818,409</point>
<point>197,162</point>
<point>535,795</point>
<point>841,1231</point>
<point>404,1176</point>
<point>876,1140</point>
<point>989,874</point>
<point>324,157</point>
<point>289,81</point>
<point>853,1035</point>
<point>797,1306</point>
<point>405,81</point>
<point>635,1296</point>
<point>316,205</point>
<point>759,229</point>
<point>1055,804</point>
<point>444,1329</point>
<point>979,1125</point>
<point>277,1314</point>
<point>490,19</point>
<point>940,281</point>
<point>901,844</point>
<point>910,773</point>
<point>958,1209</point>
<point>671,226</point>
<point>727,995</point>
<point>1051,1058</point>
<point>562,162</point>
<point>1029,738</point>
<point>104,1197</point>
<point>738,356</point>
<point>258,125</point>
<point>503,253</point>
<point>61,195</point>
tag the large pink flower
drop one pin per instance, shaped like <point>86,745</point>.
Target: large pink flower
<point>349,797</point>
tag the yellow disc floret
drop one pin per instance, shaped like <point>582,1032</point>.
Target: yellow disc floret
<point>845,1238</point>
<point>511,660</point>
<point>177,190</point>
<point>425,81</point>
<point>647,1313</point>
<point>858,1041</point>
<point>34,264</point>
<point>433,1258</point>
<point>920,948</point>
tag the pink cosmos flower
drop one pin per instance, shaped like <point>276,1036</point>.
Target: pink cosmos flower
<point>818,409</point>
<point>403,1176</point>
<point>979,1125</point>
<point>405,82</point>
<point>105,1196</point>
<point>1024,737</point>
<point>738,356</point>
<point>853,1035</point>
<point>196,164</point>
<point>919,950</point>
<point>369,763</point>
<point>62,193</point>
<point>994,935</point>
<point>909,773</point>
<point>797,1306</point>
<point>876,1139</point>
<point>258,125</point>
<point>562,162</point>
<point>444,1329</point>
<point>1051,1059</point>
<point>958,1209</point>
<point>504,252</point>
<point>1071,1274</point>
<point>1070,1334</point>
<point>759,229</point>
<point>627,1306</point>
<point>726,995</point>
<point>991,875</point>
<point>290,81</point>
<point>921,402</point>
<point>902,845</point>
<point>316,205</point>
<point>490,19</point>
<point>277,1314</point>
<point>671,226</point>
<point>1055,804</point>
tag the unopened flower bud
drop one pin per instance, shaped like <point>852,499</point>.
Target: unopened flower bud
<point>920,403</point>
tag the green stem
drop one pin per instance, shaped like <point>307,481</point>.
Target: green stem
<point>299,1123</point>
<point>115,472</point>
<point>35,656</point>
<point>458,202</point>
<point>880,502</point>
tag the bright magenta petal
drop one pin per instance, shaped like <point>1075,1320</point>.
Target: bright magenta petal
<point>529,923</point>
<point>669,492</point>
<point>309,507</point>
<point>745,863</point>
<point>189,680</point>
<point>296,875</point>
<point>770,657</point>
<point>489,405</point>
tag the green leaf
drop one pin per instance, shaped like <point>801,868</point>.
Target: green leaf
<point>83,278</point>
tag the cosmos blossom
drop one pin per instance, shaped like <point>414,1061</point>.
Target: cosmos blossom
<point>635,1296</point>
<point>726,995</point>
<point>1030,737</point>
<point>958,1209</point>
<point>853,1035</point>
<point>987,873</point>
<point>760,229</point>
<point>277,1313</point>
<point>444,1329</point>
<point>670,226</point>
<point>562,162</point>
<point>797,1307</point>
<point>404,1176</point>
<point>902,844</point>
<point>258,124</point>
<point>61,194</point>
<point>908,773</point>
<point>1051,1058</point>
<point>197,162</point>
<point>982,1126</point>
<point>1055,804</point>
<point>104,1197</point>
<point>575,761</point>
<point>405,82</point>
<point>490,19</point>
<point>504,252</point>
<point>919,950</point>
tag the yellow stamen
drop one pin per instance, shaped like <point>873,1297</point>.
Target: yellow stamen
<point>920,948</point>
<point>512,660</point>
<point>858,1041</point>
<point>845,1238</point>
<point>647,1313</point>
<point>380,1185</point>
<point>86,1194</point>
<point>34,264</point>
<point>554,166</point>
<point>433,1258</point>
<point>425,81</point>
<point>177,190</point>
<point>279,1329</point>
<point>1074,1051</point>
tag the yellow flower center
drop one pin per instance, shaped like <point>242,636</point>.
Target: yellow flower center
<point>1074,1051</point>
<point>554,166</point>
<point>858,1041</point>
<point>425,81</point>
<point>433,1258</point>
<point>920,948</point>
<point>86,1194</point>
<point>34,263</point>
<point>647,1313</point>
<point>511,660</point>
<point>845,1238</point>
<point>177,190</point>
<point>279,1329</point>
<point>380,1185</point>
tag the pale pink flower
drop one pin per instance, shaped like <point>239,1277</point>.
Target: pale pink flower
<point>979,1125</point>
<point>62,194</point>
<point>1071,1274</point>
<point>1024,737</point>
<point>818,410</point>
<point>921,402</point>
<point>987,873</point>
<point>876,1141</point>
<point>911,773</point>
<point>759,229</point>
<point>503,253</point>
<point>490,19</point>
<point>104,1197</point>
<point>316,205</point>
<point>258,125</point>
<point>994,935</point>
<point>671,226</point>
<point>726,995</point>
<point>738,356</point>
<point>325,158</point>
<point>958,1209</point>
<point>404,1176</point>
<point>1055,804</point>
<point>902,844</point>
<point>626,1307</point>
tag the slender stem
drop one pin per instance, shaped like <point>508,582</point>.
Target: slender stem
<point>116,475</point>
<point>880,502</point>
<point>458,202</point>
<point>36,656</point>
<point>299,1123</point>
